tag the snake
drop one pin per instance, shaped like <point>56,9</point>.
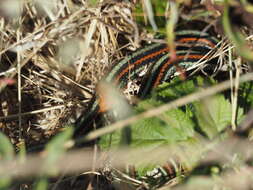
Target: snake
<point>191,46</point>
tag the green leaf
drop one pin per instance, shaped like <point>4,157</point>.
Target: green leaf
<point>5,183</point>
<point>159,8</point>
<point>6,153</point>
<point>92,3</point>
<point>202,182</point>
<point>56,148</point>
<point>41,184</point>
<point>178,88</point>
<point>214,114</point>
<point>22,152</point>
<point>57,143</point>
<point>6,148</point>
<point>173,126</point>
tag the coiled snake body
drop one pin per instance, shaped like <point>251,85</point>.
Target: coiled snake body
<point>191,46</point>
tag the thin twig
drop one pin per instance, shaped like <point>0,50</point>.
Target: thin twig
<point>19,88</point>
<point>32,112</point>
<point>237,78</point>
<point>33,164</point>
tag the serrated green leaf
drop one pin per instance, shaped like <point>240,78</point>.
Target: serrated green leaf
<point>6,148</point>
<point>205,119</point>
<point>178,88</point>
<point>214,114</point>
<point>174,126</point>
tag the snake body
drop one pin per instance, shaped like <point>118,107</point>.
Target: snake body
<point>191,46</point>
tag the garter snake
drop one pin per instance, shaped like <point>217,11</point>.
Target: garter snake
<point>191,46</point>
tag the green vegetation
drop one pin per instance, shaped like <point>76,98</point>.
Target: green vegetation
<point>184,126</point>
<point>209,140</point>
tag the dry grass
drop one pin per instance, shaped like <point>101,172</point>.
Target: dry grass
<point>63,49</point>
